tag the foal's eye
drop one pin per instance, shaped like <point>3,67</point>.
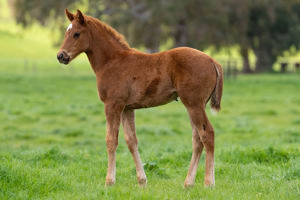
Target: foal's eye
<point>76,35</point>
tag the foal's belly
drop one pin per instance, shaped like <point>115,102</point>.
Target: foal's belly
<point>153,100</point>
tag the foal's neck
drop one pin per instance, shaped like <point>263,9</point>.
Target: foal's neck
<point>104,45</point>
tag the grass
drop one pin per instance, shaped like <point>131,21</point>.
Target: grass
<point>53,141</point>
<point>52,133</point>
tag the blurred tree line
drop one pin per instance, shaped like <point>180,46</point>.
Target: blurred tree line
<point>267,27</point>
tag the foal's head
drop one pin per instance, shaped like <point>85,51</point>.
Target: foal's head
<point>76,38</point>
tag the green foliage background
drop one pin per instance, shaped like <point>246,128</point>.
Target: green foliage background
<point>266,28</point>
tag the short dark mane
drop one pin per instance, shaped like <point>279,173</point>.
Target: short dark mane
<point>111,31</point>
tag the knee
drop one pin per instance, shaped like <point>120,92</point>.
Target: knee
<point>111,143</point>
<point>207,138</point>
<point>197,144</point>
<point>131,143</point>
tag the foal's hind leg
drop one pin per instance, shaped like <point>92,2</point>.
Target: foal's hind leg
<point>206,133</point>
<point>197,150</point>
<point>132,143</point>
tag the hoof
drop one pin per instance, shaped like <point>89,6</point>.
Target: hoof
<point>109,183</point>
<point>209,185</point>
<point>188,185</point>
<point>142,183</point>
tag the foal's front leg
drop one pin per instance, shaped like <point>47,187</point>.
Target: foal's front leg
<point>113,117</point>
<point>132,143</point>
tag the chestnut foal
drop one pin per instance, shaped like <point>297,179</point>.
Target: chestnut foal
<point>128,79</point>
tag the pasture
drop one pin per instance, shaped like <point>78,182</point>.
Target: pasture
<point>52,133</point>
<point>53,141</point>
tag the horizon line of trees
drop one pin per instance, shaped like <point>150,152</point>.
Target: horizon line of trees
<point>267,27</point>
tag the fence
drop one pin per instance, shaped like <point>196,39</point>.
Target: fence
<point>41,65</point>
<point>289,67</point>
<point>231,68</point>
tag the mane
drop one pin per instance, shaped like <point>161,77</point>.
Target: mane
<point>119,38</point>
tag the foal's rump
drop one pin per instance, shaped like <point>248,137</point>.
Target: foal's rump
<point>197,77</point>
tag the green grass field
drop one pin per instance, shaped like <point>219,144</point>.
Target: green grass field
<point>52,133</point>
<point>53,141</point>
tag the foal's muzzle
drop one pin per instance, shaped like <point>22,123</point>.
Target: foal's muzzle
<point>63,57</point>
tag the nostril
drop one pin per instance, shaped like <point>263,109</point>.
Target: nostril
<point>60,56</point>
<point>63,57</point>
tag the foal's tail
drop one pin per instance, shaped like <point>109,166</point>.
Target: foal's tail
<point>215,101</point>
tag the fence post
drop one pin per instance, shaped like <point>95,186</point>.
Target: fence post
<point>297,66</point>
<point>228,69</point>
<point>34,66</point>
<point>284,67</point>
<point>25,65</point>
<point>235,70</point>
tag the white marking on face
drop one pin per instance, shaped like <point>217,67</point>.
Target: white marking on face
<point>70,26</point>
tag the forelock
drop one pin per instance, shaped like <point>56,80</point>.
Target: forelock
<point>70,26</point>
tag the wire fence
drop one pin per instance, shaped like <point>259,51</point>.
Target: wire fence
<point>42,65</point>
<point>231,67</point>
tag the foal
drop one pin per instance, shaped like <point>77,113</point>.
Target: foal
<point>128,79</point>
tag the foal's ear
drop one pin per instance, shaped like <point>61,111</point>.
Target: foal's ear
<point>69,15</point>
<point>80,17</point>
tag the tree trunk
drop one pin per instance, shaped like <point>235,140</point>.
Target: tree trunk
<point>152,50</point>
<point>264,61</point>
<point>180,35</point>
<point>246,64</point>
<point>152,38</point>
